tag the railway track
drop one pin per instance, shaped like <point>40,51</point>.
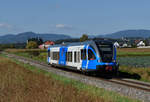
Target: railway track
<point>132,83</point>
<point>128,83</point>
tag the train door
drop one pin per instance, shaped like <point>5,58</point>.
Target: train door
<point>77,61</point>
<point>62,54</point>
<point>84,58</point>
<point>92,61</point>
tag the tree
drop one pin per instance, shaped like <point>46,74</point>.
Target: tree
<point>83,38</point>
<point>147,42</point>
<point>32,45</point>
<point>38,40</point>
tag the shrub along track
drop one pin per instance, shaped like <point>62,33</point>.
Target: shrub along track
<point>127,87</point>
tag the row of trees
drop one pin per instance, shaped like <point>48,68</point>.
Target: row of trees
<point>16,46</point>
<point>35,42</point>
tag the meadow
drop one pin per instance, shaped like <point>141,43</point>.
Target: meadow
<point>25,83</point>
<point>124,52</point>
<point>134,63</point>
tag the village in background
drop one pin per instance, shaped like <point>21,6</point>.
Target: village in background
<point>37,42</point>
<point>119,43</point>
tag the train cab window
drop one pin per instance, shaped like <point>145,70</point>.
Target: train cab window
<point>83,54</point>
<point>91,55</point>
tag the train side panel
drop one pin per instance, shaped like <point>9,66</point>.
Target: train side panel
<point>76,61</point>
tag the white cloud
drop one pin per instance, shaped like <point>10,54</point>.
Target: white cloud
<point>60,25</point>
<point>64,26</point>
<point>4,25</point>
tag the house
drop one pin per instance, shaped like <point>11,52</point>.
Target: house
<point>125,45</point>
<point>137,41</point>
<point>46,44</point>
<point>141,43</point>
<point>116,44</point>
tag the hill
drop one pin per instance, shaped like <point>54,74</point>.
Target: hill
<point>128,33</point>
<point>22,37</point>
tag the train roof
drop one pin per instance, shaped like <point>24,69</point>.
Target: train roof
<point>89,42</point>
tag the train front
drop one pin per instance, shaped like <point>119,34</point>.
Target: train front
<point>107,56</point>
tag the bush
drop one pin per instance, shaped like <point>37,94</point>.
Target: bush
<point>83,38</point>
<point>32,45</point>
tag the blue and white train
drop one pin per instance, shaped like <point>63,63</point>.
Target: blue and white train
<point>89,56</point>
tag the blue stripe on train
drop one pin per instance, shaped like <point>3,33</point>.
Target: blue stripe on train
<point>62,55</point>
<point>48,58</point>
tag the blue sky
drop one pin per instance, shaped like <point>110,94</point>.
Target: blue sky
<point>73,17</point>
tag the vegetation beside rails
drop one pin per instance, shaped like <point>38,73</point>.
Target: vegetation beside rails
<point>139,70</point>
<point>142,74</point>
<point>135,61</point>
<point>25,50</point>
<point>36,54</point>
<point>23,82</point>
<point>123,52</point>
<point>40,57</point>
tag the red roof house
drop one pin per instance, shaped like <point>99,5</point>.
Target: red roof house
<point>46,44</point>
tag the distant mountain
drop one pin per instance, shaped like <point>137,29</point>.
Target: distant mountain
<point>22,37</point>
<point>128,33</point>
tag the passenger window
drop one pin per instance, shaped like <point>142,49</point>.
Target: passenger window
<point>83,54</point>
<point>55,55</point>
<point>69,56</point>
<point>78,56</point>
<point>91,55</point>
<point>75,56</point>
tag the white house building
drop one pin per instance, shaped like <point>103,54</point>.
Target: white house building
<point>125,45</point>
<point>116,44</point>
<point>141,43</point>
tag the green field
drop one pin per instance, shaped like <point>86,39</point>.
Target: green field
<point>134,67</point>
<point>124,52</point>
<point>134,61</point>
<point>25,83</point>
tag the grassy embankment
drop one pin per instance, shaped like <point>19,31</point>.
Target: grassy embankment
<point>126,71</point>
<point>142,73</point>
<point>36,54</point>
<point>123,52</point>
<point>25,83</point>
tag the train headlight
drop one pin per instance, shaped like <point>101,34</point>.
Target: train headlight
<point>99,60</point>
<point>113,60</point>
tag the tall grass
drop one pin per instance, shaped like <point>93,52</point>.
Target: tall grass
<point>25,50</point>
<point>142,74</point>
<point>19,84</point>
<point>22,82</point>
<point>125,70</point>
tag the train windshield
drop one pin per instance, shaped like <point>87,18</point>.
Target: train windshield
<point>106,51</point>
